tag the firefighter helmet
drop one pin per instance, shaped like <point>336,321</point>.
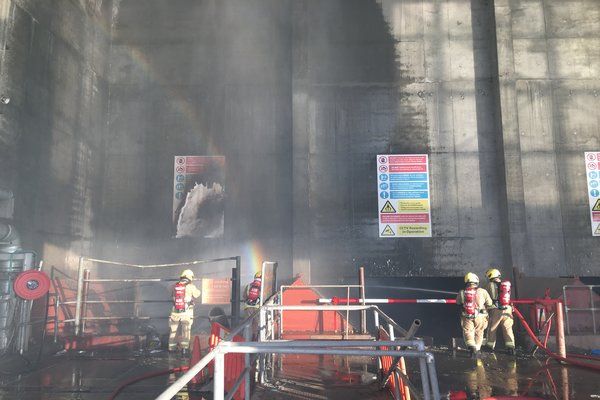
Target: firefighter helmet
<point>471,278</point>
<point>493,273</point>
<point>187,274</point>
<point>258,275</point>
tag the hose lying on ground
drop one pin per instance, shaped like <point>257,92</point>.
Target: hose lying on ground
<point>568,360</point>
<point>154,374</point>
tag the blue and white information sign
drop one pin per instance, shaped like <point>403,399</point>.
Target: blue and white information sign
<point>592,172</point>
<point>403,195</point>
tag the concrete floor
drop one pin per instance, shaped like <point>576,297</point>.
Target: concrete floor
<point>95,375</point>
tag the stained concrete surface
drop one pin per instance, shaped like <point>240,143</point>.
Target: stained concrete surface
<point>300,96</point>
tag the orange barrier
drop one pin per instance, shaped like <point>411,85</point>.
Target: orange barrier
<point>307,324</point>
<point>386,366</point>
<point>234,362</point>
<point>202,376</point>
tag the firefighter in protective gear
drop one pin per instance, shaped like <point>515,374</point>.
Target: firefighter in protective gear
<point>501,313</point>
<point>252,294</point>
<point>473,319</point>
<point>184,293</point>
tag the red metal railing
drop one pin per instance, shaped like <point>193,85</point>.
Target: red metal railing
<point>395,383</point>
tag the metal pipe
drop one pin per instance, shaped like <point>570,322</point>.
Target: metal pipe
<point>328,344</point>
<point>566,309</point>
<point>79,297</point>
<point>593,309</point>
<point>413,329</point>
<point>261,324</point>
<point>376,318</point>
<point>287,287</point>
<point>117,317</point>
<point>219,376</point>
<point>247,338</point>
<point>196,262</point>
<point>56,308</point>
<point>560,331</point>
<point>136,280</point>
<point>424,378</point>
<point>86,288</point>
<point>347,316</point>
<point>236,291</point>
<point>363,314</point>
<point>252,348</point>
<point>435,389</point>
<point>319,308</point>
<point>120,301</point>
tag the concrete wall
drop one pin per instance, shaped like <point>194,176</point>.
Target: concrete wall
<point>396,77</point>
<point>199,78</point>
<point>549,54</point>
<point>52,66</point>
<point>300,96</point>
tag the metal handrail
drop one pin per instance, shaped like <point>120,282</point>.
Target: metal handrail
<point>282,288</point>
<point>82,280</point>
<point>426,359</point>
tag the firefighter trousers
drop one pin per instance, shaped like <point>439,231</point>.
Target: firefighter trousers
<point>501,319</point>
<point>473,329</point>
<point>185,320</point>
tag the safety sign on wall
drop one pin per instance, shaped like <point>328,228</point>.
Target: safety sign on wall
<point>592,170</point>
<point>403,195</point>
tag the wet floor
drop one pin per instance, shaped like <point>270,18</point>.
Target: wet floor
<point>498,374</point>
<point>94,376</point>
<point>89,376</point>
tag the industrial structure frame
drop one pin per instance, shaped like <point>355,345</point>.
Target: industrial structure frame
<point>83,281</point>
<point>266,345</point>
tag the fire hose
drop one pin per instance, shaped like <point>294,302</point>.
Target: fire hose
<point>567,360</point>
<point>154,374</point>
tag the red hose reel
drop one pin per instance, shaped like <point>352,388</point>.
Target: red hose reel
<point>31,285</point>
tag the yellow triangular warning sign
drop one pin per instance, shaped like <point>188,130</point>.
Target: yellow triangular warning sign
<point>597,231</point>
<point>388,208</point>
<point>595,208</point>
<point>388,231</point>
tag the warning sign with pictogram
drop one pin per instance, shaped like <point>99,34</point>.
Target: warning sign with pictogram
<point>593,189</point>
<point>403,195</point>
<point>388,231</point>
<point>389,208</point>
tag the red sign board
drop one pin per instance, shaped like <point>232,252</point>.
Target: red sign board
<point>407,159</point>
<point>408,168</point>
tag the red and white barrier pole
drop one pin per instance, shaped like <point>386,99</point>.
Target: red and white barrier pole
<point>344,300</point>
<point>355,300</point>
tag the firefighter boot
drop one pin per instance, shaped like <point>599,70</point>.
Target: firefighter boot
<point>473,352</point>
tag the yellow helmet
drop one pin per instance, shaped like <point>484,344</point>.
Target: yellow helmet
<point>492,273</point>
<point>258,275</point>
<point>188,274</point>
<point>471,278</point>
